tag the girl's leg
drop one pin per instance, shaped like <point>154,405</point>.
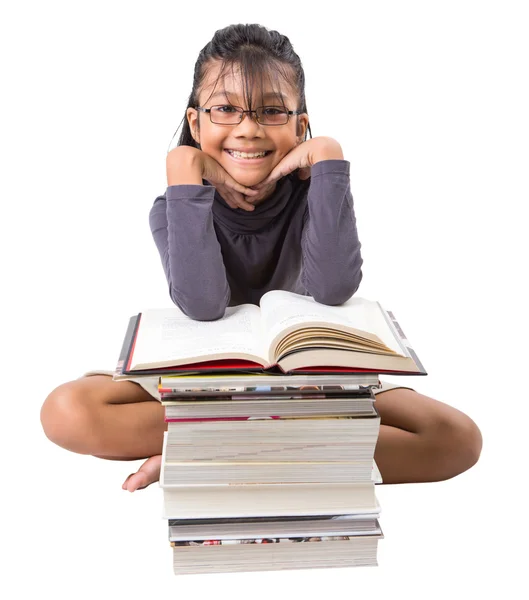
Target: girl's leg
<point>110,419</point>
<point>422,439</point>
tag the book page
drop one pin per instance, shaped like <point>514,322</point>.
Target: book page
<point>280,311</point>
<point>168,334</point>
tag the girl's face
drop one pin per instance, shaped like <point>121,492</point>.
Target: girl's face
<point>248,135</point>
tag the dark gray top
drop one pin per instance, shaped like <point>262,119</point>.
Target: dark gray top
<point>302,239</point>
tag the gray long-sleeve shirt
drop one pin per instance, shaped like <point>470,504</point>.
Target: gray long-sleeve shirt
<point>302,239</point>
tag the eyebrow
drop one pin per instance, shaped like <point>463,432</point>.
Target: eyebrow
<point>267,95</point>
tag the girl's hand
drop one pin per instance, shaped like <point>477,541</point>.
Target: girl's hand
<point>303,157</point>
<point>186,164</point>
<point>233,192</point>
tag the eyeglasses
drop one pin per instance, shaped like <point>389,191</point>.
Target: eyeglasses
<point>226,114</point>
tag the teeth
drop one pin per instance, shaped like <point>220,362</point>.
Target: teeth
<point>246,154</point>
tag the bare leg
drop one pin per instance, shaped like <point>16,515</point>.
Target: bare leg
<point>422,439</point>
<point>115,420</point>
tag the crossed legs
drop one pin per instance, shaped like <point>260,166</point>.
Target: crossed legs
<point>421,439</point>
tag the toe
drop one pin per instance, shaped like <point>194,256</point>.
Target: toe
<point>148,473</point>
<point>134,481</point>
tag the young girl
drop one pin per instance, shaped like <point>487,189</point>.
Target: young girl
<point>252,205</point>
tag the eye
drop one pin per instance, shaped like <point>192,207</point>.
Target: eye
<point>225,108</point>
<point>272,111</point>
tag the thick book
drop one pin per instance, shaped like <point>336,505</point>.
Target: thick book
<point>194,538</point>
<point>286,333</point>
<point>252,528</point>
<point>262,384</point>
<point>272,500</point>
<point>270,451</point>
<point>230,556</point>
<point>244,408</point>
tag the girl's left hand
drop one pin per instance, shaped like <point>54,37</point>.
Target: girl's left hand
<point>303,157</point>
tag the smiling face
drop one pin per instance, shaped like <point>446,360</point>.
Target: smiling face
<point>248,136</point>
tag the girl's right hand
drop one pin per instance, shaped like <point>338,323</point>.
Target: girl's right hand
<point>200,165</point>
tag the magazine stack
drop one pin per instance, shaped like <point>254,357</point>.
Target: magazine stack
<point>248,464</point>
<point>268,458</point>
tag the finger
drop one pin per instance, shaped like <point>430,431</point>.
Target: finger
<point>226,195</point>
<point>279,172</point>
<point>238,201</point>
<point>229,201</point>
<point>246,191</point>
<point>253,199</point>
<point>263,192</point>
<point>262,184</point>
<point>237,198</point>
<point>243,203</point>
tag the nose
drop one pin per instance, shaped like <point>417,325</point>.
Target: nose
<point>248,124</point>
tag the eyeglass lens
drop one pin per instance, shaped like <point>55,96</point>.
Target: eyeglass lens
<point>230,115</point>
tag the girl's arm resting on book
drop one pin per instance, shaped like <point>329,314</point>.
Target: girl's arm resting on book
<point>331,249</point>
<point>181,223</point>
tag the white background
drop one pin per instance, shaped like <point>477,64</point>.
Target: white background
<point>429,102</point>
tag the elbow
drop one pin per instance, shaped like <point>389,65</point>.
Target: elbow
<point>200,309</point>
<point>331,297</point>
<point>337,292</point>
<point>207,313</point>
<point>334,278</point>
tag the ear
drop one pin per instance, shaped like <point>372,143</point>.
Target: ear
<point>192,119</point>
<point>301,127</point>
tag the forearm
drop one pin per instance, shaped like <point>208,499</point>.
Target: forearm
<point>331,249</point>
<point>182,227</point>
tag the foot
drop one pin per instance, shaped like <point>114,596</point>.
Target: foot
<point>148,473</point>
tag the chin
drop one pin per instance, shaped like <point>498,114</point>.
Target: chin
<point>249,179</point>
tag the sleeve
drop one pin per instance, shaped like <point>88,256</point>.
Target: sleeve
<point>181,223</point>
<point>331,271</point>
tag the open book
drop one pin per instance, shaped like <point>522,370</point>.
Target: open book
<point>288,333</point>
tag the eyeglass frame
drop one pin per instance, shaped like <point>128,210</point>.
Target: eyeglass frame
<point>242,112</point>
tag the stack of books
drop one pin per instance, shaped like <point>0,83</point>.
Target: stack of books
<point>251,461</point>
<point>272,428</point>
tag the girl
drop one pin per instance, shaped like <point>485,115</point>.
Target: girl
<point>252,205</point>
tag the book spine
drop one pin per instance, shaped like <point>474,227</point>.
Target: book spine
<point>401,339</point>
<point>127,343</point>
<point>199,420</point>
<point>280,417</point>
<point>315,391</point>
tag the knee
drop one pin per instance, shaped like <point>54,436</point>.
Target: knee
<point>456,445</point>
<point>67,420</point>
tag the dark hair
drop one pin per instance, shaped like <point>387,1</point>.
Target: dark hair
<point>259,52</point>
